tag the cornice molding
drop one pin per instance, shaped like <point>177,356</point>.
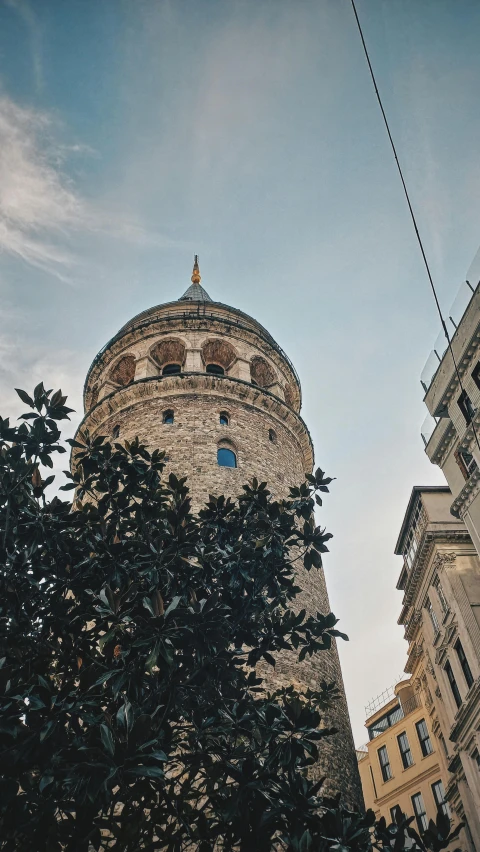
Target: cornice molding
<point>422,776</point>
<point>467,495</point>
<point>445,441</point>
<point>446,639</point>
<point>186,384</point>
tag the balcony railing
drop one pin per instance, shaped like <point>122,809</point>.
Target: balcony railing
<point>455,315</point>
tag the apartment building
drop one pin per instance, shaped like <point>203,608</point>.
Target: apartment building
<point>402,764</point>
<point>440,581</point>
<point>451,433</point>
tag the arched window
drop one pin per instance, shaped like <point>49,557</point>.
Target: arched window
<point>168,416</point>
<point>272,436</point>
<point>171,369</point>
<point>116,431</point>
<point>216,369</point>
<point>226,457</point>
<point>224,418</point>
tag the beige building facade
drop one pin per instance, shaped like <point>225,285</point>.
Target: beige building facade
<point>440,581</point>
<point>453,440</point>
<point>402,765</point>
<point>210,386</point>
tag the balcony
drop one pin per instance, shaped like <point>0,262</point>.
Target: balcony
<point>455,316</point>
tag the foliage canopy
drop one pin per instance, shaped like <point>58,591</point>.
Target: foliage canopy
<point>131,712</point>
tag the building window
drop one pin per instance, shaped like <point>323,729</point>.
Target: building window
<point>439,796</point>
<point>396,814</point>
<point>424,737</point>
<point>466,462</point>
<point>224,418</point>
<point>272,436</point>
<point>171,369</point>
<point>443,744</point>
<point>465,405</point>
<point>384,763</point>
<point>413,536</point>
<point>453,684</point>
<point>168,416</point>
<point>405,752</point>
<point>226,457</point>
<point>420,812</point>
<point>215,369</point>
<point>433,616</point>
<point>385,722</point>
<point>116,431</point>
<point>441,596</point>
<point>476,374</point>
<point>467,673</point>
<point>476,759</point>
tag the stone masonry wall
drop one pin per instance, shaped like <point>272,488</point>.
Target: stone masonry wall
<point>191,443</point>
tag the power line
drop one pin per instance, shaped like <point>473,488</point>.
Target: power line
<point>409,203</point>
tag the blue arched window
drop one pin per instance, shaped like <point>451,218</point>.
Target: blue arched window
<point>226,457</point>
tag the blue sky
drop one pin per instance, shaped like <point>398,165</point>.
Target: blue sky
<point>133,134</point>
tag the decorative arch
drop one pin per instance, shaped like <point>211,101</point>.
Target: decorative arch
<point>168,351</point>
<point>261,372</point>
<point>218,352</point>
<point>123,372</point>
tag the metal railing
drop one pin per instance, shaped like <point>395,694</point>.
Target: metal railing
<point>455,315</point>
<point>383,698</point>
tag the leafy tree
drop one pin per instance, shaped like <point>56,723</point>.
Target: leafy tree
<point>132,715</point>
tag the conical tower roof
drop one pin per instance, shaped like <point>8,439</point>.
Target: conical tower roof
<point>195,292</point>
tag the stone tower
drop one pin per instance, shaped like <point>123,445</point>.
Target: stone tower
<point>210,386</point>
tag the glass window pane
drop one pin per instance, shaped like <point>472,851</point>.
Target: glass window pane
<point>424,738</point>
<point>226,458</point>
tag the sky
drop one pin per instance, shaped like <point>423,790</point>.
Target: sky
<point>135,133</point>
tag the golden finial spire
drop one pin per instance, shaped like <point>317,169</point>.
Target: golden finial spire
<point>196,277</point>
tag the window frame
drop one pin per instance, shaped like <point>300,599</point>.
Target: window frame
<point>168,417</point>
<point>465,461</point>
<point>440,800</point>
<point>441,596</point>
<point>476,374</point>
<point>466,407</point>
<point>464,665</point>
<point>224,418</point>
<point>423,739</point>
<point>393,811</point>
<point>433,617</point>
<point>391,718</point>
<point>385,767</point>
<point>405,751</point>
<point>420,815</point>
<point>227,450</point>
<point>453,684</point>
<point>412,539</point>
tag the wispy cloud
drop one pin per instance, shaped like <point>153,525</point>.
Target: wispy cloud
<point>30,19</point>
<point>41,209</point>
<point>36,202</point>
